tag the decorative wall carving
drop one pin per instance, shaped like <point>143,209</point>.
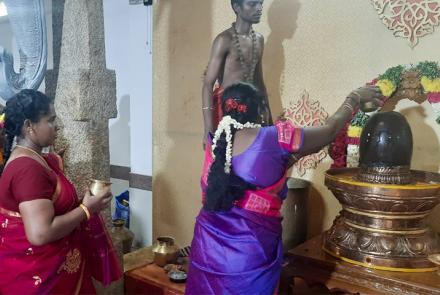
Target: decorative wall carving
<point>409,19</point>
<point>307,112</point>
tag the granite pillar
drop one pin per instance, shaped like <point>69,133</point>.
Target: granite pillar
<point>84,92</point>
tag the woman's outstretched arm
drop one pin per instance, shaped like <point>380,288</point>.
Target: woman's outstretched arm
<point>315,138</point>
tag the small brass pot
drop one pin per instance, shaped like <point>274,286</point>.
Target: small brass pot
<point>96,186</point>
<point>165,251</point>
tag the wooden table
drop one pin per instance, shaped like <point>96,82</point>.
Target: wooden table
<point>142,276</point>
<point>151,279</point>
<point>310,263</point>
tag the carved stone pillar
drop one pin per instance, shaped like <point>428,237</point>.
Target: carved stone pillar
<point>84,91</point>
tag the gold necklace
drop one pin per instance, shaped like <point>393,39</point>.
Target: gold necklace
<point>36,153</point>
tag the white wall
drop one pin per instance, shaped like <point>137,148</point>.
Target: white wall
<point>141,118</point>
<point>127,28</point>
<point>116,27</point>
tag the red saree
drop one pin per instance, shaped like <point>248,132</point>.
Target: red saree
<point>217,97</point>
<point>65,266</point>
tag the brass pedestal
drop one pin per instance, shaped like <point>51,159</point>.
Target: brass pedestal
<point>383,226</point>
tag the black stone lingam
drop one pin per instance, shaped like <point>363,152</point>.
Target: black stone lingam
<point>382,223</point>
<point>386,149</point>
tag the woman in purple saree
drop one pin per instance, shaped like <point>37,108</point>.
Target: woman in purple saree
<point>237,247</point>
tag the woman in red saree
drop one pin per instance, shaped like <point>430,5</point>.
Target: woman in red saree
<point>49,242</point>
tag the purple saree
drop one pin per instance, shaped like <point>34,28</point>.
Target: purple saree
<point>239,251</point>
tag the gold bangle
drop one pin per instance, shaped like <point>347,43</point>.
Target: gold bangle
<point>86,210</point>
<point>348,106</point>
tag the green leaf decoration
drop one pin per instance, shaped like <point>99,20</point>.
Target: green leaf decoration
<point>429,69</point>
<point>360,119</point>
<point>393,74</point>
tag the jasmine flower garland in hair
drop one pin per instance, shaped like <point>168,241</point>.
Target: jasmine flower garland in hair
<point>225,126</point>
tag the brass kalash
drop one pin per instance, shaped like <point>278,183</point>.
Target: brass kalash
<point>385,204</point>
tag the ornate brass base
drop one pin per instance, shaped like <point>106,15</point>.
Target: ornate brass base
<point>383,226</point>
<point>379,250</point>
<point>390,175</point>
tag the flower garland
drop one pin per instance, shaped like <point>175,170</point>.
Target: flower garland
<point>430,81</point>
<point>225,126</point>
<point>345,149</point>
<point>353,138</point>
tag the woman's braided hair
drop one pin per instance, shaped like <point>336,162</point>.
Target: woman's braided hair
<point>225,188</point>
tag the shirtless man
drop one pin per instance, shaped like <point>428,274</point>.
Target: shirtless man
<point>235,57</point>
